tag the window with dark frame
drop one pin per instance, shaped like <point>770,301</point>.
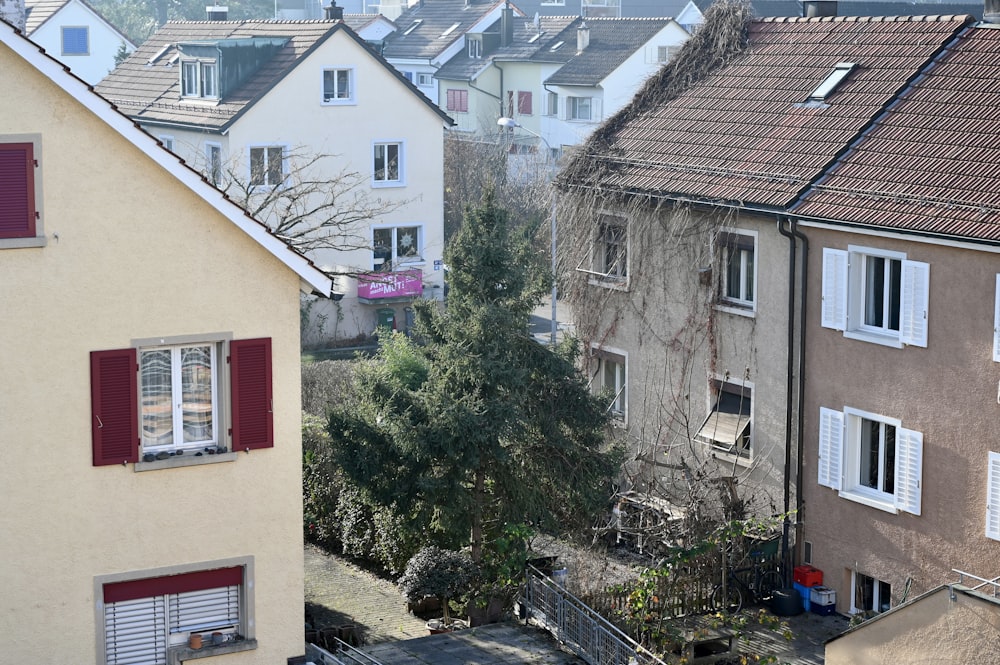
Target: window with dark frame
<point>611,248</point>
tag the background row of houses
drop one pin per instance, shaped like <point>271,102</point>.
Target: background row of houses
<point>787,276</point>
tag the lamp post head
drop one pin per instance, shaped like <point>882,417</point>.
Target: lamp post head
<point>508,123</point>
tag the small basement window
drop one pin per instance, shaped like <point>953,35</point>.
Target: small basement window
<point>832,81</point>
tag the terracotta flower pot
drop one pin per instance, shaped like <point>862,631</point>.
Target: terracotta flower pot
<point>194,641</point>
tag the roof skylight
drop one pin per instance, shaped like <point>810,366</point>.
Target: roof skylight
<point>835,78</point>
<point>413,26</point>
<point>555,47</point>
<point>450,30</point>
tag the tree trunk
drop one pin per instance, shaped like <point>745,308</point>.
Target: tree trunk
<point>478,498</point>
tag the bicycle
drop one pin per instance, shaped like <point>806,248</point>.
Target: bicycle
<point>734,590</point>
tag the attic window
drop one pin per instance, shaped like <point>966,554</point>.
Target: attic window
<point>413,26</point>
<point>535,38</point>
<point>450,30</point>
<point>555,47</point>
<point>836,77</point>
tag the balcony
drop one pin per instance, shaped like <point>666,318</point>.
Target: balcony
<point>378,288</point>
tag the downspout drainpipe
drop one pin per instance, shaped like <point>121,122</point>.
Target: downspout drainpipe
<point>794,365</point>
<point>789,369</point>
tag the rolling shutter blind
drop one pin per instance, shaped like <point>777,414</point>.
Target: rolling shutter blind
<point>74,40</point>
<point>17,190</point>
<point>909,464</point>
<point>115,419</point>
<point>250,374</point>
<point>207,609</point>
<point>135,632</point>
<point>993,497</point>
<point>831,439</point>
<point>834,306</point>
<point>913,300</point>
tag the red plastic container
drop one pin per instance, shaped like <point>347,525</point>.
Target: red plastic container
<point>807,576</point>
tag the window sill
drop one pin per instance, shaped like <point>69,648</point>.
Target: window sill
<point>17,243</point>
<point>178,655</point>
<point>379,184</point>
<point>874,338</point>
<point>729,458</point>
<point>339,102</point>
<point>185,460</point>
<point>733,308</point>
<point>616,285</point>
<point>870,501</point>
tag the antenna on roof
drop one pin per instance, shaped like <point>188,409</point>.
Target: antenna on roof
<point>537,22</point>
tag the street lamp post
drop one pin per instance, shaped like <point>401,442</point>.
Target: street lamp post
<point>510,123</point>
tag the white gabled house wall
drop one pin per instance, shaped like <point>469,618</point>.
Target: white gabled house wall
<point>103,41</point>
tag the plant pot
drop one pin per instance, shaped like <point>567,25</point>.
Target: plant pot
<point>786,602</point>
<point>194,641</point>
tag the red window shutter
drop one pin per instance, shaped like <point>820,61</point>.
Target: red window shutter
<point>524,103</point>
<point>463,101</point>
<point>17,190</point>
<point>182,583</point>
<point>451,100</point>
<point>113,398</point>
<point>250,376</point>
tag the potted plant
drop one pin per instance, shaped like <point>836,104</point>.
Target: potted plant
<point>445,574</point>
<point>501,575</point>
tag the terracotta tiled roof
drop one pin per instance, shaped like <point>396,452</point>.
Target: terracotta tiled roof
<point>147,85</point>
<point>745,135</point>
<point>930,165</point>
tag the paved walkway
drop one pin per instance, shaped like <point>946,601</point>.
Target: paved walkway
<point>338,593</point>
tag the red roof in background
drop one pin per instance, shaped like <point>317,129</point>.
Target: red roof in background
<point>932,164</point>
<point>744,135</point>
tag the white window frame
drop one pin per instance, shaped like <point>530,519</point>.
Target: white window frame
<point>745,302</point>
<point>199,79</point>
<point>877,600</point>
<point>267,147</point>
<point>351,97</point>
<point>843,305</point>
<point>167,141</point>
<point>599,273</point>
<point>839,466</point>
<point>400,181</point>
<point>62,39</point>
<point>618,358</point>
<point>395,259</point>
<point>996,322</point>
<point>993,495</point>
<point>728,386</point>
<point>219,350</point>
<point>213,169</point>
<point>551,103</point>
<point>475,49</point>
<point>573,106</point>
<point>247,621</point>
<point>425,79</point>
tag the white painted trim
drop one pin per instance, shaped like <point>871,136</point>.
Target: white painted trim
<point>896,235</point>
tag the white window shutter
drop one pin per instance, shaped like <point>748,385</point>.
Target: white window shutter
<point>993,497</point>
<point>909,464</point>
<point>913,299</point>
<point>996,323</point>
<point>831,441</point>
<point>595,108</point>
<point>834,304</point>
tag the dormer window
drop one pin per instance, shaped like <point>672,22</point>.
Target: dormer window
<point>475,49</point>
<point>450,30</point>
<point>200,79</point>
<point>832,81</point>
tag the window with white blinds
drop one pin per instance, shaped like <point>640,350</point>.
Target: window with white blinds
<point>136,632</point>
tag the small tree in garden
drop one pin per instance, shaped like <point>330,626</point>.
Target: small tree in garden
<point>433,571</point>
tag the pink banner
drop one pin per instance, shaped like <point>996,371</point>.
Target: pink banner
<point>401,284</point>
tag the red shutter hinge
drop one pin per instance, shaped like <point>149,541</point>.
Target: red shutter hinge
<point>35,162</point>
<point>38,215</point>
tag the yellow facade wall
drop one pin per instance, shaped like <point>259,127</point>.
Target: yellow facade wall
<point>131,253</point>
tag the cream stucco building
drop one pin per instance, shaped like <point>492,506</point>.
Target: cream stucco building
<point>151,383</point>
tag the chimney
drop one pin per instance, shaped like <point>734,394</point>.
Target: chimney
<point>507,25</point>
<point>582,37</point>
<point>217,13</point>
<point>14,13</point>
<point>818,8</point>
<point>333,12</point>
<point>991,11</point>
